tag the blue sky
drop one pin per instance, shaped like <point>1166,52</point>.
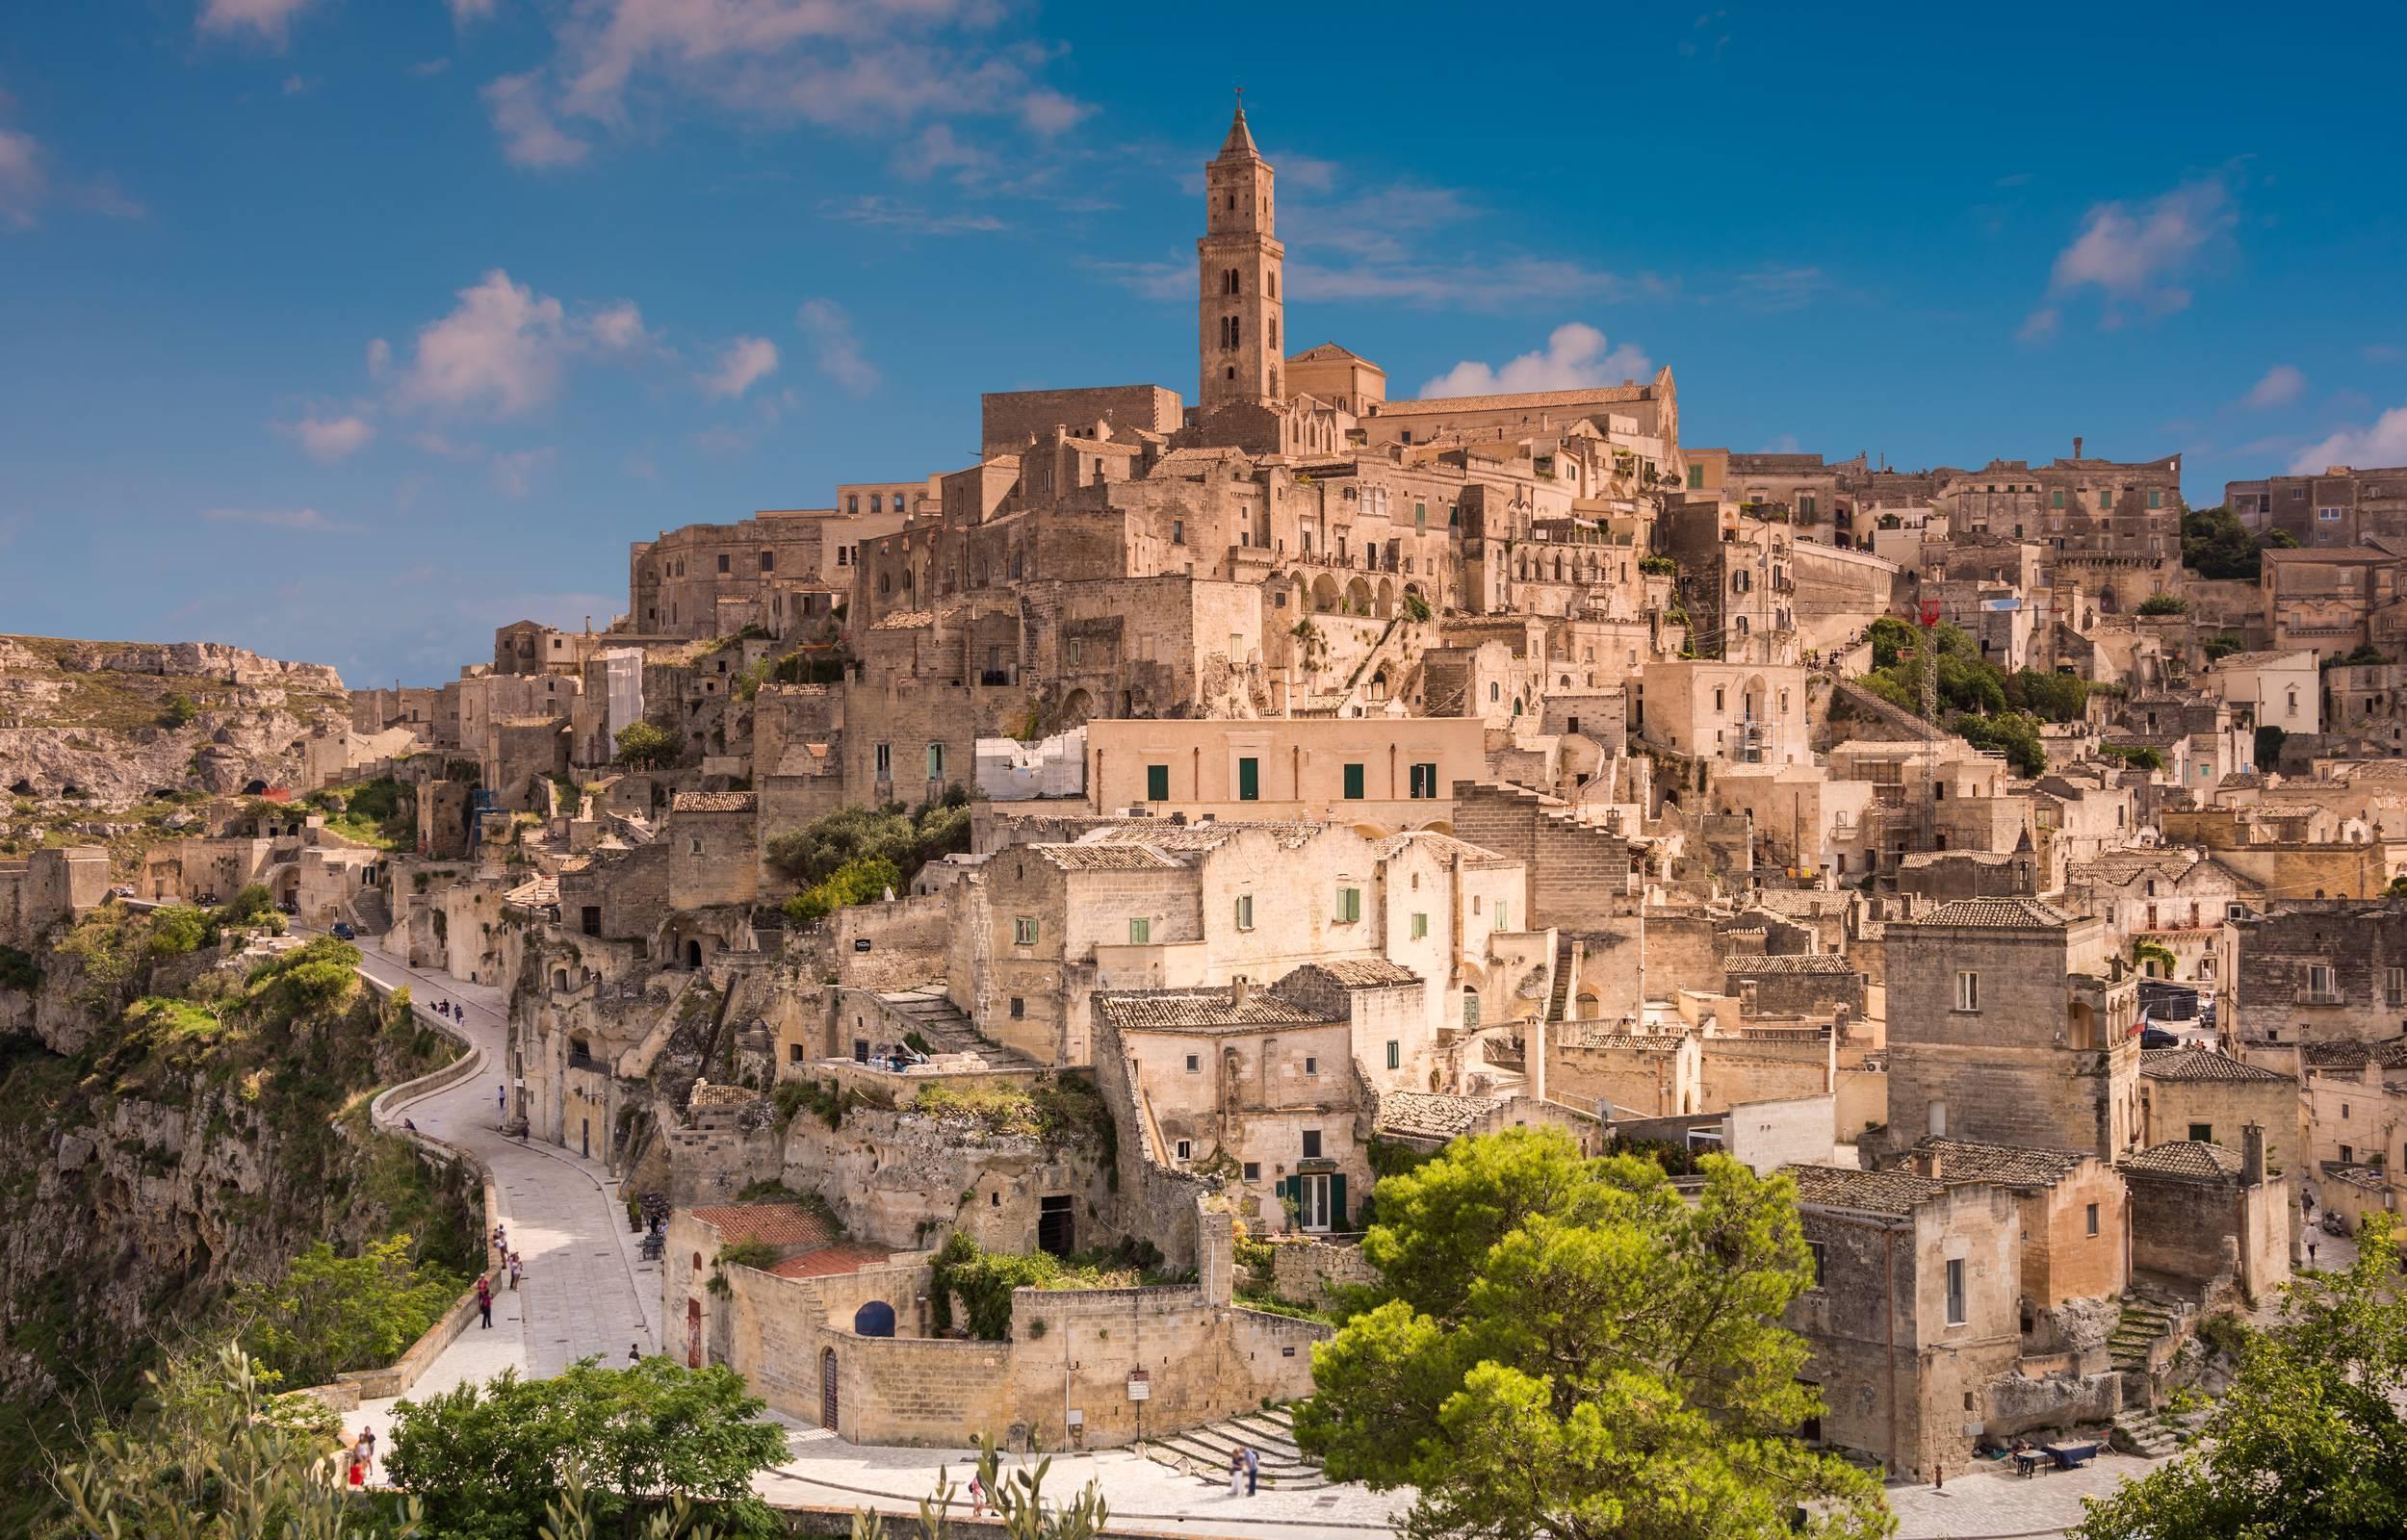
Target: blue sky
<point>349,329</point>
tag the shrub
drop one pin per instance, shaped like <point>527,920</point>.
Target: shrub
<point>331,1313</point>
<point>642,746</point>
<point>179,710</point>
<point>1659,566</point>
<point>179,931</point>
<point>2139,757</point>
<point>250,904</point>
<point>1416,608</point>
<point>18,970</point>
<point>2165,604</point>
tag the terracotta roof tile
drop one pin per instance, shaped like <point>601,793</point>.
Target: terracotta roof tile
<point>714,802</point>
<point>1428,1115</point>
<point>2017,913</point>
<point>1963,1160</point>
<point>830,1261</point>
<point>2200,1063</point>
<point>1788,962</point>
<point>1872,1191</point>
<point>1364,972</point>
<point>778,1225</point>
<point>1084,857</point>
<point>2183,1157</point>
<point>1201,1007</point>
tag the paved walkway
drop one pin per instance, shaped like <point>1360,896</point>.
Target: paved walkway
<point>1997,1504</point>
<point>586,1291</point>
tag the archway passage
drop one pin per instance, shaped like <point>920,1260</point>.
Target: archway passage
<point>876,1319</point>
<point>1056,1226</point>
<point>693,956</point>
<point>1075,708</point>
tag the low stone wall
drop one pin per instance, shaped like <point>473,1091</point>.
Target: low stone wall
<point>353,1386</point>
<point>1306,1273</point>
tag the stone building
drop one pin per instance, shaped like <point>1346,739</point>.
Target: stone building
<point>2355,1109</point>
<point>1377,774</point>
<point>2341,506</point>
<point>2300,971</point>
<point>2011,1023</point>
<point>49,887</point>
<point>2207,1097</point>
<point>2211,1221</point>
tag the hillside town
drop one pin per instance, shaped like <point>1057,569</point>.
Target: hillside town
<point>1121,854</point>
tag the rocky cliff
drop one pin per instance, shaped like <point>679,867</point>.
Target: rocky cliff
<point>172,1122</point>
<point>92,727</point>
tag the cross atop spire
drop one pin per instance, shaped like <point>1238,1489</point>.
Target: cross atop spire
<point>1240,140</point>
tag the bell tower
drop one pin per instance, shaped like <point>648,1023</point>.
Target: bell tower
<point>1238,261</point>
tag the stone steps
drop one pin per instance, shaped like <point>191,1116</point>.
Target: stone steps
<point>2144,1433</point>
<point>2141,1326</point>
<point>1203,1453</point>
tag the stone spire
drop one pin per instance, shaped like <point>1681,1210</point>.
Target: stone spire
<point>1240,142</point>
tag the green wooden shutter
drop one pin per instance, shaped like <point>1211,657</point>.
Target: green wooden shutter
<point>1248,779</point>
<point>1158,783</point>
<point>1338,1202</point>
<point>1354,782</point>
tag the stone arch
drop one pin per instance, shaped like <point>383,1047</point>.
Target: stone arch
<point>1586,1004</point>
<point>875,1319</point>
<point>1386,598</point>
<point>1324,594</point>
<point>1379,685</point>
<point>693,955</point>
<point>1358,596</point>
<point>1075,708</point>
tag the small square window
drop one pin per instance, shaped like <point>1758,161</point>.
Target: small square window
<point>1254,1170</point>
<point>1194,1064</point>
<point>1311,1064</point>
<point>1311,1143</point>
<point>1140,932</point>
<point>1420,926</point>
<point>1349,905</point>
<point>1186,1149</point>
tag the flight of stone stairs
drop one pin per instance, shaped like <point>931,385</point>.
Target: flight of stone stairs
<point>371,911</point>
<point>2143,1322</point>
<point>1203,1453</point>
<point>2152,1435</point>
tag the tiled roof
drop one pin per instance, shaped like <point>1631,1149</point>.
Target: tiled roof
<point>2183,1157</point>
<point>1427,1115</point>
<point>1798,900</point>
<point>1104,857</point>
<point>2390,1055</point>
<point>904,620</point>
<point>1365,972</point>
<point>706,1094</point>
<point>1164,835</point>
<point>535,893</point>
<point>2022,913</point>
<point>1788,962</point>
<point>778,1225</point>
<point>714,802</point>
<point>1874,1191</point>
<point>1201,1008</point>
<point>2253,659</point>
<point>1961,1160</point>
<point>1443,846</point>
<point>2199,1063</point>
<point>829,1261</point>
<point>2366,1177</point>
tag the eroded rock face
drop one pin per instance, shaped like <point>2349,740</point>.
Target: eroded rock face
<point>206,660</point>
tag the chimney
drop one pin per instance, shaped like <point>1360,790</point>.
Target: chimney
<point>2076,446</point>
<point>1240,990</point>
<point>2252,1154</point>
<point>1927,1161</point>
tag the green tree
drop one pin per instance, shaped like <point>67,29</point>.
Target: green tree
<point>2309,1441</point>
<point>642,746</point>
<point>2050,695</point>
<point>331,1313</point>
<point>179,710</point>
<point>2011,733</point>
<point>218,1456</point>
<point>255,901</point>
<point>178,930</point>
<point>486,1460</point>
<point>1562,1346</point>
<point>2269,746</point>
<point>2165,604</point>
<point>1891,640</point>
<point>2214,543</point>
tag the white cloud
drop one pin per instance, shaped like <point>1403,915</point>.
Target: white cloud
<point>1576,356</point>
<point>619,327</point>
<point>938,149</point>
<point>379,357</point>
<point>2385,443</point>
<point>328,439</point>
<point>22,179</point>
<point>306,521</point>
<point>886,214</point>
<point>2138,256</point>
<point>514,473</point>
<point>269,20</point>
<point>875,68</point>
<point>2042,324</point>
<point>2282,385</point>
<point>500,349</point>
<point>838,352</point>
<point>741,363</point>
<point>530,136</point>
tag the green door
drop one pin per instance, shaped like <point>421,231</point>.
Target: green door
<point>1354,782</point>
<point>1158,783</point>
<point>1248,779</point>
<point>1338,1203</point>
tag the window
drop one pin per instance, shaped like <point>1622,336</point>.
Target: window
<point>1140,932</point>
<point>1019,1009</point>
<point>885,762</point>
<point>1968,991</point>
<point>1354,782</point>
<point>877,503</point>
<point>1311,1143</point>
<point>1245,911</point>
<point>2092,1218</point>
<point>1420,517</point>
<point>1248,779</point>
<point>1395,1054</point>
<point>1696,479</point>
<point>1185,1149</point>
<point>2319,981</point>
<point>1717,698</point>
<point>1816,1248</point>
<point>1311,1063</point>
<point>1023,930</point>
<point>1178,531</point>
<point>1194,1064</point>
<point>936,761</point>
<point>1423,784</point>
<point>1470,1010</point>
<point>1349,905</point>
<point>2397,987</point>
<point>2106,497</point>
<point>2328,515</point>
<point>2202,1133</point>
<point>1420,926</point>
<point>852,503</point>
<point>769,563</point>
<point>2056,499</point>
<point>1955,1291</point>
<point>2155,500</point>
<point>1504,914</point>
<point>722,561</point>
<point>1158,783</point>
<point>1254,1170</point>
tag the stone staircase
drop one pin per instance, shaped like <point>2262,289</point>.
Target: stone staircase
<point>372,912</point>
<point>1203,1453</point>
<point>939,1023</point>
<point>2143,1322</point>
<point>1559,1001</point>
<point>2150,1434</point>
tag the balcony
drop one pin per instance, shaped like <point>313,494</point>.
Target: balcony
<point>2313,996</point>
<point>578,1059</point>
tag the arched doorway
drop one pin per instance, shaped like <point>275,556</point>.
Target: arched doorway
<point>1324,594</point>
<point>876,1319</point>
<point>1075,708</point>
<point>827,1389</point>
<point>693,957</point>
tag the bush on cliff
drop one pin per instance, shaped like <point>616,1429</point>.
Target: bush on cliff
<point>331,1313</point>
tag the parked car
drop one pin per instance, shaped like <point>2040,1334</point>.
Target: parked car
<point>2159,1038</point>
<point>121,891</point>
<point>342,931</point>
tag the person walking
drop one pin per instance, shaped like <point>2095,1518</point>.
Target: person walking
<point>1237,1472</point>
<point>515,1270</point>
<point>977,1496</point>
<point>357,1473</point>
<point>1252,1468</point>
<point>485,1302</point>
<point>366,1451</point>
<point>501,1104</point>
<point>635,1354</point>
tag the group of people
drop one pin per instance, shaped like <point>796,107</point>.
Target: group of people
<point>1245,1471</point>
<point>510,1264</point>
<point>359,1457</point>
